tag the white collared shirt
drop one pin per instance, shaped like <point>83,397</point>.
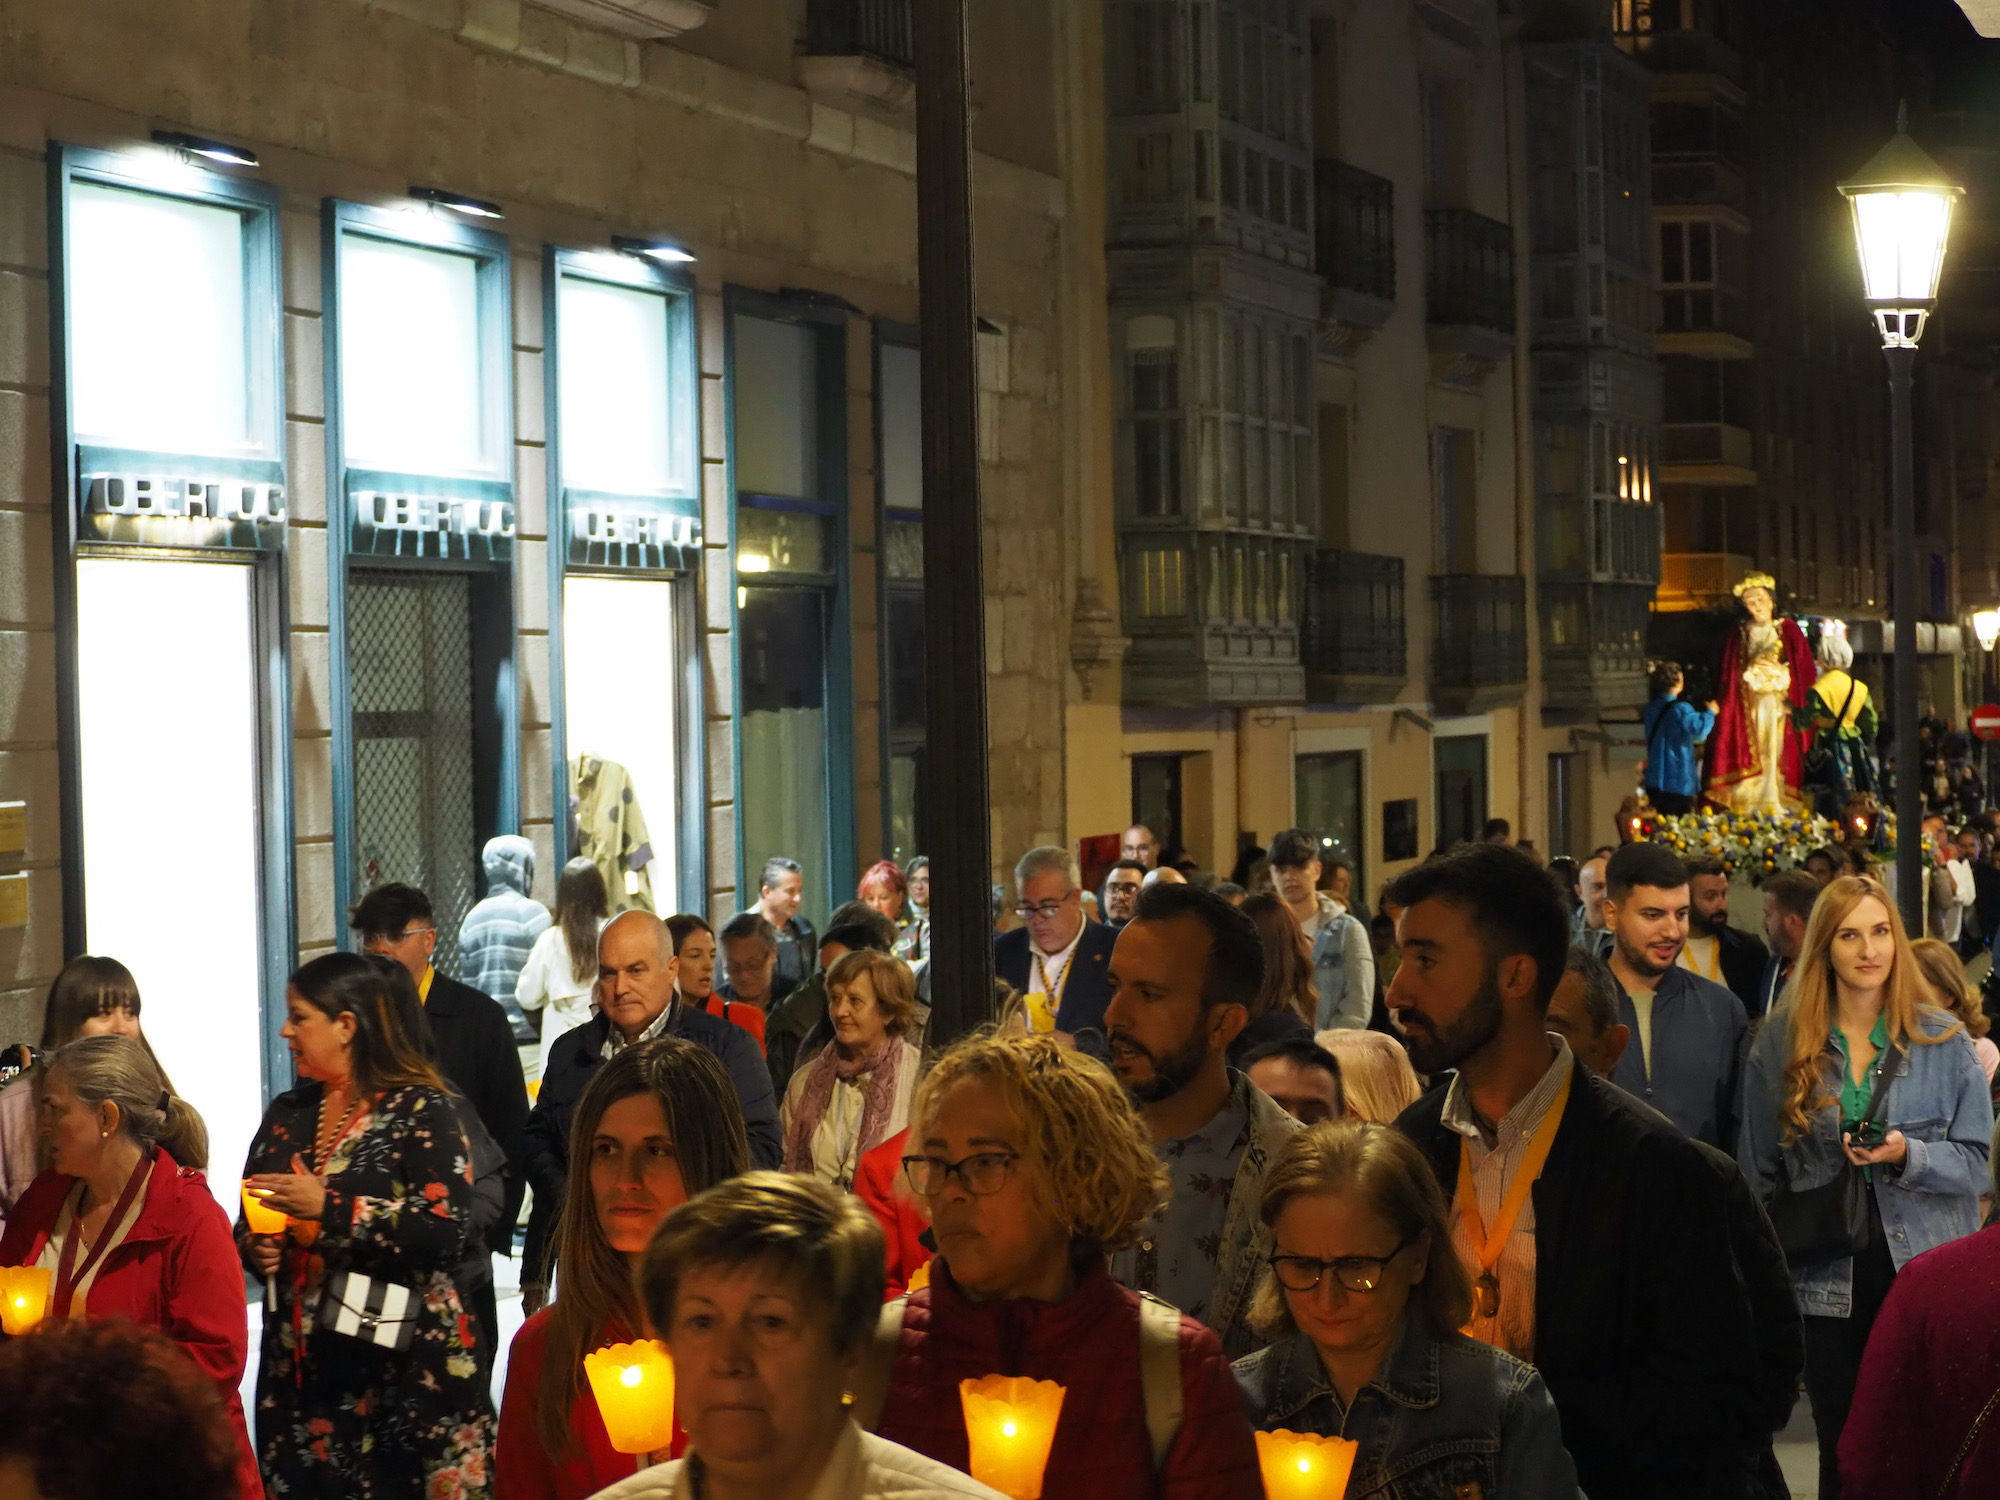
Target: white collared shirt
<point>1046,970</point>
<point>614,1039</point>
<point>1494,1161</point>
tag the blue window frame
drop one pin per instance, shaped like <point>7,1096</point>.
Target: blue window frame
<point>167,430</point>
<point>421,551</point>
<point>624,463</point>
<point>787,362</point>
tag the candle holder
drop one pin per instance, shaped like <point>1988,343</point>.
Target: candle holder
<point>1300,1466</point>
<point>1010,1425</point>
<point>919,1278</point>
<point>24,1298</point>
<point>259,1215</point>
<point>634,1387</point>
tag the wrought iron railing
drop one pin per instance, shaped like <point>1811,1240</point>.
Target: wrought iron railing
<point>1470,269</point>
<point>873,28</point>
<point>1355,214</point>
<point>1479,625</point>
<point>1355,624</point>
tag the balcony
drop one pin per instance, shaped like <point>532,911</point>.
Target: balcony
<point>1355,226</point>
<point>1356,644</point>
<point>860,56</point>
<point>1699,580</point>
<point>1683,53</point>
<point>1593,646</point>
<point>646,20</point>
<point>1698,182</point>
<point>1706,453</point>
<point>1469,293</point>
<point>1479,640</point>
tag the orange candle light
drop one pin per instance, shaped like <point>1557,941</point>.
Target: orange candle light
<point>259,1215</point>
<point>634,1387</point>
<point>1010,1422</point>
<point>24,1297</point>
<point>919,1278</point>
<point>1299,1466</point>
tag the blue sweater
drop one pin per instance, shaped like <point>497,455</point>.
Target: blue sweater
<point>1672,728</point>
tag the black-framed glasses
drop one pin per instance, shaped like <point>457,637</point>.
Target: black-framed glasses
<point>982,1172</point>
<point>1355,1273</point>
<point>1048,910</point>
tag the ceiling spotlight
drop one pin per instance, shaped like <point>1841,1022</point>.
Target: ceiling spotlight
<point>477,208</point>
<point>198,145</point>
<point>662,250</point>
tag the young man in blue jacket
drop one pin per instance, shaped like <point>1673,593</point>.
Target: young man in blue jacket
<point>1673,729</point>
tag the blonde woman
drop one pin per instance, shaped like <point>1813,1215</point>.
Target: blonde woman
<point>1857,1018</point>
<point>1375,1074</point>
<point>1945,974</point>
<point>1033,1164</point>
<point>1363,1301</point>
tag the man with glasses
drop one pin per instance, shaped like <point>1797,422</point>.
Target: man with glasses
<point>1058,958</point>
<point>1121,892</point>
<point>475,1049</point>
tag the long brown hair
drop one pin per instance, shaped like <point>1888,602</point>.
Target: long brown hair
<point>1945,975</point>
<point>338,984</point>
<point>1288,963</point>
<point>596,1286</point>
<point>582,904</point>
<point>1809,1000</point>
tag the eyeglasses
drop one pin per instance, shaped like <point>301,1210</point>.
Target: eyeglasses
<point>1355,1273</point>
<point>379,940</point>
<point>1046,911</point>
<point>983,1172</point>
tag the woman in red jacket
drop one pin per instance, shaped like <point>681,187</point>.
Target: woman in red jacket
<point>125,1231</point>
<point>657,1124</point>
<point>1035,1165</point>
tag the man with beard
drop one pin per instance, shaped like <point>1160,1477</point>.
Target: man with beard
<point>1183,976</point>
<point>1687,1033</point>
<point>1715,950</point>
<point>1596,1236</point>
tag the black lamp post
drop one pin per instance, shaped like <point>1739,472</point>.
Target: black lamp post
<point>1903,205</point>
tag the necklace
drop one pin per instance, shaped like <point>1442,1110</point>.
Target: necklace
<point>323,1144</point>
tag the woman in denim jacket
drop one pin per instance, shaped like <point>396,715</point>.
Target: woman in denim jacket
<point>1811,1075</point>
<point>1363,1301</point>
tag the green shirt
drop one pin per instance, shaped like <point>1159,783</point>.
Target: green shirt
<point>1856,1097</point>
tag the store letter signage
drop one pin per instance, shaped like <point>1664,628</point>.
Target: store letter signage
<point>194,499</point>
<point>632,533</point>
<point>393,524</point>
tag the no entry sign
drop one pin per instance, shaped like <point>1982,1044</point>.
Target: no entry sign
<point>1986,721</point>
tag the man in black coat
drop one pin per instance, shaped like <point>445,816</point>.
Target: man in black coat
<point>638,1001</point>
<point>1622,1282</point>
<point>1735,959</point>
<point>1057,951</point>
<point>475,1052</point>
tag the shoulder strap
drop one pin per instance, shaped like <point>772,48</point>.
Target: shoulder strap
<point>878,1363</point>
<point>1160,1374</point>
<point>1892,1056</point>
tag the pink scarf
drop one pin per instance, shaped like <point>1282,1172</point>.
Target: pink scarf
<point>881,1067</point>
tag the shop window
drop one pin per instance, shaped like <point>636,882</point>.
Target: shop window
<point>1327,801</point>
<point>1460,764</point>
<point>899,449</point>
<point>782,638</point>
<point>411,393</point>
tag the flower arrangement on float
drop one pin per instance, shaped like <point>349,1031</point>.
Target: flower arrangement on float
<point>1754,845</point>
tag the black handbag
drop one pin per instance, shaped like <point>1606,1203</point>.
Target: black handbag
<point>1830,1222</point>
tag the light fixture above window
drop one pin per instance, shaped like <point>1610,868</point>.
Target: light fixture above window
<point>199,145</point>
<point>752,562</point>
<point>459,203</point>
<point>660,250</point>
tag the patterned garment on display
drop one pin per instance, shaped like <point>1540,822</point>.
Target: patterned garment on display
<point>608,828</point>
<point>337,1415</point>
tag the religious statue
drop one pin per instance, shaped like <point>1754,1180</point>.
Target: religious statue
<point>1841,760</point>
<point>1756,754</point>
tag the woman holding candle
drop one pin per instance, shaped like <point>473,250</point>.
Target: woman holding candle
<point>1363,1302</point>
<point>1856,1020</point>
<point>1033,1164</point>
<point>657,1123</point>
<point>856,1093</point>
<point>366,1159</point>
<point>694,949</point>
<point>767,1290</point>
<point>122,1228</point>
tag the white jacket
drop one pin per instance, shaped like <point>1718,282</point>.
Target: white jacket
<point>863,1467</point>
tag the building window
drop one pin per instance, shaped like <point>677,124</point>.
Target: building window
<point>788,400</point>
<point>1455,498</point>
<point>900,461</point>
<point>1156,800</point>
<point>1327,792</point>
<point>1568,814</point>
<point>1460,764</point>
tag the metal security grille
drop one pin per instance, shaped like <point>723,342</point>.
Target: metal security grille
<point>409,641</point>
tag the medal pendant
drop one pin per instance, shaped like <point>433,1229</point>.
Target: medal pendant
<point>1487,1295</point>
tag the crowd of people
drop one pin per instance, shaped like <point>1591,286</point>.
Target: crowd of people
<point>1533,1181</point>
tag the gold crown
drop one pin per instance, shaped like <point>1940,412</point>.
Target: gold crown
<point>1762,581</point>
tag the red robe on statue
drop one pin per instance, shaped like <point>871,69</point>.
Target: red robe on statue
<point>1732,747</point>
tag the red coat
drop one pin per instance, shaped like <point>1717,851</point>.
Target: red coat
<point>875,1179</point>
<point>1089,1344</point>
<point>1933,1359</point>
<point>738,1013</point>
<point>522,1468</point>
<point>176,1271</point>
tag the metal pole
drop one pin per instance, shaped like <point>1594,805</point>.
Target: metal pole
<point>960,833</point>
<point>1910,859</point>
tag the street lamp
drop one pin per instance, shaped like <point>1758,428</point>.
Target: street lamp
<point>1903,204</point>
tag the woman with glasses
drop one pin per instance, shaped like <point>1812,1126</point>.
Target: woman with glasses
<point>1033,1164</point>
<point>1363,1302</point>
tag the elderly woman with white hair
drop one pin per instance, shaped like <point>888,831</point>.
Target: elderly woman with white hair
<point>1841,760</point>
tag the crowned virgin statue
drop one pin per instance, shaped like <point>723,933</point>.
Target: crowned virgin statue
<point>1756,755</point>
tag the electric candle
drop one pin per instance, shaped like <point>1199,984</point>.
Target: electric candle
<point>919,1278</point>
<point>634,1387</point>
<point>1299,1466</point>
<point>24,1297</point>
<point>259,1215</point>
<point>1010,1422</point>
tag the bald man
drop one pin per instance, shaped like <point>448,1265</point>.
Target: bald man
<point>636,1002</point>
<point>1165,875</point>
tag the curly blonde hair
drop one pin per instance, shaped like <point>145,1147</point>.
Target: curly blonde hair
<point>1083,1144</point>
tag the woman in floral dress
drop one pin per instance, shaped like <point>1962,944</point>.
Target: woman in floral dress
<point>367,1162</point>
